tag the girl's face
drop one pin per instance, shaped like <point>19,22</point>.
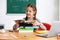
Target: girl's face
<point>29,12</point>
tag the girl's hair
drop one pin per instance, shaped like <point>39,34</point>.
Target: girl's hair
<point>34,9</point>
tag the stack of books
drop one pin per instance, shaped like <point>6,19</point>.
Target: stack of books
<point>26,29</point>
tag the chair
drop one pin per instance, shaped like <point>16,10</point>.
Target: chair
<point>48,26</point>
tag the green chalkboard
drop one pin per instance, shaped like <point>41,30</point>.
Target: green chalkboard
<point>18,6</point>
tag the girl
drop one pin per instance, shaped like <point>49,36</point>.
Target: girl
<point>31,16</point>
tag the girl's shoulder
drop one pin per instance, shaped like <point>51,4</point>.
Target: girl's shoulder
<point>38,19</point>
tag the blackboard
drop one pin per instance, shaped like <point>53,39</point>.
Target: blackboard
<point>18,6</point>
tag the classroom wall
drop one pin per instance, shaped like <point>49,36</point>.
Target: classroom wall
<point>59,10</point>
<point>47,11</point>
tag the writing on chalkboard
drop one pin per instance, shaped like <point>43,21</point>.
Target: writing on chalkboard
<point>18,6</point>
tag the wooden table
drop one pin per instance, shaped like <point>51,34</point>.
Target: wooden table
<point>23,36</point>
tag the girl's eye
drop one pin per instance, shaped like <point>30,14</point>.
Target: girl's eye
<point>29,11</point>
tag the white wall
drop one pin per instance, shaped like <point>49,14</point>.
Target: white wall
<point>59,10</point>
<point>47,11</point>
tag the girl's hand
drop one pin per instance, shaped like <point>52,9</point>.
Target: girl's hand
<point>36,23</point>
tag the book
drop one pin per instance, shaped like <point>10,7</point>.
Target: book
<point>26,29</point>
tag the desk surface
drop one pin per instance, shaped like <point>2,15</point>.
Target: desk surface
<point>23,36</point>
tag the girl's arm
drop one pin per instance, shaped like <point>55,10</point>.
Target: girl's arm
<point>37,22</point>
